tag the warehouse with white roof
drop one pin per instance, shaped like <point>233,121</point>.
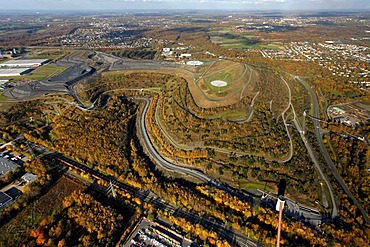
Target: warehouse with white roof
<point>20,66</point>
<point>21,63</point>
<point>14,71</point>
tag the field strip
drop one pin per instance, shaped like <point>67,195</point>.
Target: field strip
<point>227,68</point>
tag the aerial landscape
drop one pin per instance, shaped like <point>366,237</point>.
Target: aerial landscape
<point>185,123</point>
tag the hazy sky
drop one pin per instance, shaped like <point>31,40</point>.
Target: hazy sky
<point>186,4</point>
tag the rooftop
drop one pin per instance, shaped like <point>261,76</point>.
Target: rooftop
<point>13,72</point>
<point>2,81</point>
<point>22,62</point>
<point>6,165</point>
<point>4,199</point>
<point>13,192</point>
<point>29,177</point>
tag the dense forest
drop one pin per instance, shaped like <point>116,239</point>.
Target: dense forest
<point>351,157</point>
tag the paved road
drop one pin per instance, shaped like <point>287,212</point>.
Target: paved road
<point>311,215</point>
<point>220,150</point>
<point>291,151</point>
<point>317,165</point>
<point>328,160</point>
<point>163,162</point>
<point>60,83</point>
<point>168,165</point>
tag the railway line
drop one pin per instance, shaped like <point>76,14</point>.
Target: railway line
<point>233,237</point>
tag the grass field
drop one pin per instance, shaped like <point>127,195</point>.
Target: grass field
<point>43,72</point>
<point>39,73</point>
<point>226,37</point>
<point>251,46</point>
<point>223,70</point>
<point>232,115</point>
<point>224,40</point>
<point>364,106</point>
<point>228,71</point>
<point>254,186</point>
<point>223,76</point>
<point>237,75</point>
<point>2,97</point>
<point>42,56</point>
<point>41,31</point>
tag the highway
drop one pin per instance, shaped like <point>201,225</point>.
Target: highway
<point>328,160</point>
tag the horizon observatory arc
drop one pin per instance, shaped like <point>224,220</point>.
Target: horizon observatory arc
<point>219,83</point>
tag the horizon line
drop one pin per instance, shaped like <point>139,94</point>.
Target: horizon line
<point>188,9</point>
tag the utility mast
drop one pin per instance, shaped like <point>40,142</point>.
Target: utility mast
<point>111,190</point>
<point>279,207</point>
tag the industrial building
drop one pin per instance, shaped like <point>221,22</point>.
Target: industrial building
<point>20,63</point>
<point>3,81</point>
<point>14,71</point>
<point>149,233</point>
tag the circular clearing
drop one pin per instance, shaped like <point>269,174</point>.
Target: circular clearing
<point>219,83</point>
